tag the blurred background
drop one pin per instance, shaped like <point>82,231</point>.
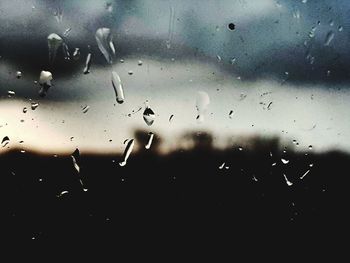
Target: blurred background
<point>234,117</point>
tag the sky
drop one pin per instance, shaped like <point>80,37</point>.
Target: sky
<point>291,55</point>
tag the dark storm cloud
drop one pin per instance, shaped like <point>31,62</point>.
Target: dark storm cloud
<point>265,44</point>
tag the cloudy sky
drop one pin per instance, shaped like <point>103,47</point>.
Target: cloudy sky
<point>283,71</point>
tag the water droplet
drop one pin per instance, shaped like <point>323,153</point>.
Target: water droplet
<point>289,183</point>
<point>329,38</point>
<point>58,14</point>
<point>67,31</point>
<point>18,74</point>
<point>302,177</point>
<point>45,82</point>
<point>231,26</point>
<point>284,161</point>
<point>85,109</point>
<point>269,106</point>
<point>240,148</point>
<point>310,147</point>
<point>139,63</point>
<point>149,116</point>
<point>76,158</point>
<point>150,139</point>
<point>76,53</point>
<point>222,166</point>
<point>109,7</point>
<point>54,42</point>
<point>5,141</point>
<point>130,72</point>
<point>34,105</point>
<point>331,22</point>
<point>171,117</point>
<point>105,43</point>
<point>312,32</point>
<point>218,58</point>
<point>340,28</point>
<point>311,165</point>
<point>118,87</point>
<point>66,51</point>
<point>11,93</point>
<point>304,1</point>
<point>233,61</point>
<point>87,64</point>
<point>62,193</point>
<point>127,152</point>
<point>202,103</point>
<point>274,164</point>
<point>24,109</point>
<point>230,114</point>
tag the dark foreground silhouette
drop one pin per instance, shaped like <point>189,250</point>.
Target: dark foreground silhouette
<point>180,196</point>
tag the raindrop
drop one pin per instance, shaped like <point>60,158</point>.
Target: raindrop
<point>149,116</point>
<point>62,193</point>
<point>66,51</point>
<point>329,38</point>
<point>130,72</point>
<point>11,93</point>
<point>34,105</point>
<point>274,164</point>
<point>118,87</point>
<point>5,141</point>
<point>202,103</point>
<point>87,64</point>
<point>76,53</point>
<point>231,26</point>
<point>24,109</point>
<point>127,152</point>
<point>58,14</point>
<point>109,7</point>
<point>331,22</point>
<point>340,28</point>
<point>233,61</point>
<point>289,183</point>
<point>45,82</point>
<point>312,32</point>
<point>230,114</point>
<point>269,106</point>
<point>105,44</point>
<point>311,165</point>
<point>54,42</point>
<point>302,177</point>
<point>18,74</point>
<point>139,63</point>
<point>171,117</point>
<point>150,139</point>
<point>240,148</point>
<point>310,147</point>
<point>222,166</point>
<point>284,161</point>
<point>76,158</point>
<point>85,109</point>
<point>66,32</point>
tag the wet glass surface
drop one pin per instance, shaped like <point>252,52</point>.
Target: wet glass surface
<point>173,115</point>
